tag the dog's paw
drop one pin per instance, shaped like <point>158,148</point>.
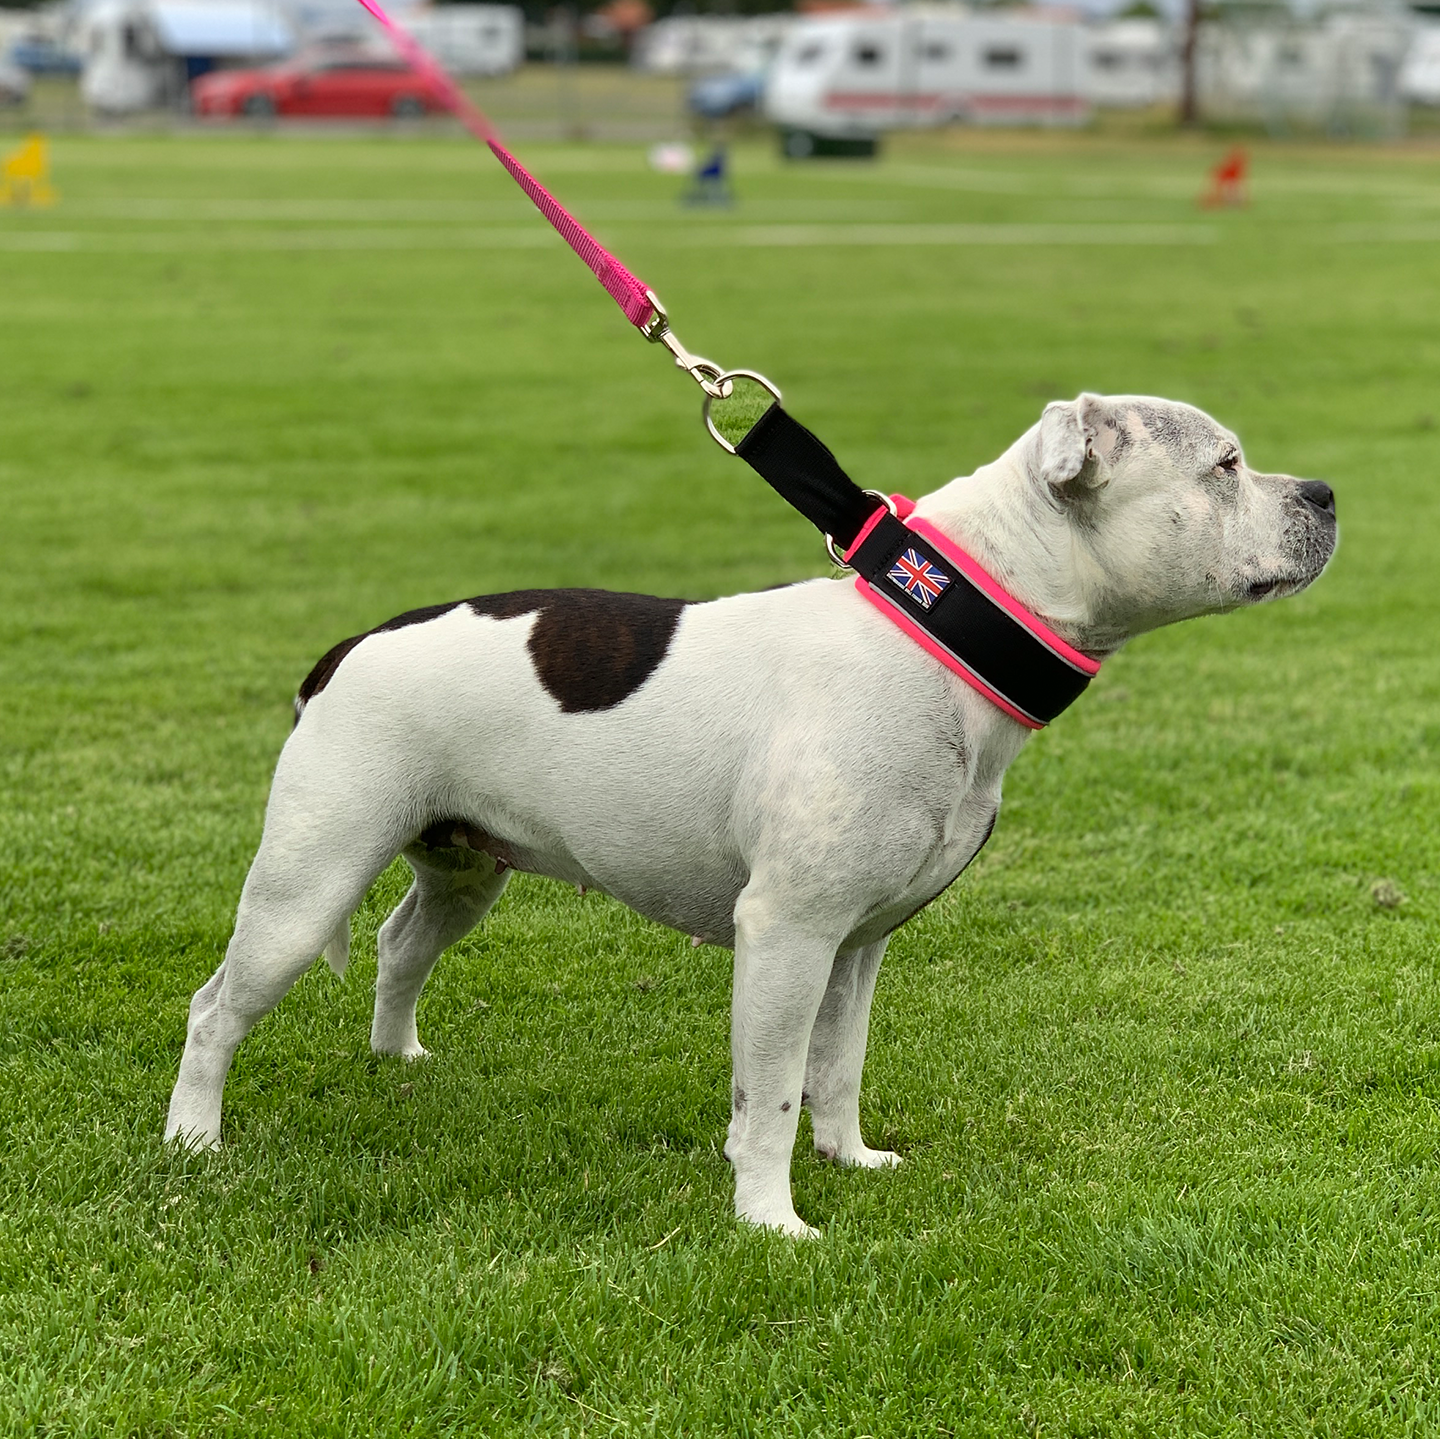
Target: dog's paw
<point>875,1159</point>
<point>192,1141</point>
<point>860,1158</point>
<point>789,1224</point>
<point>410,1053</point>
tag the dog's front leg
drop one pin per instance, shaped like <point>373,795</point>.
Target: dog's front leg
<point>837,1057</point>
<point>781,970</point>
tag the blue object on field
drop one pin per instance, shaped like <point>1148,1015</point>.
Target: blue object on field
<point>711,182</point>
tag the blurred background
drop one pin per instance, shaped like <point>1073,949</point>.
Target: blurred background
<point>829,75</point>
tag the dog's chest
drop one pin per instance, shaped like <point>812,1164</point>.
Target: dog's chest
<point>973,823</point>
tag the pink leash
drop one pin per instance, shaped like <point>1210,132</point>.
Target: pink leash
<point>800,458</point>
<point>627,290</point>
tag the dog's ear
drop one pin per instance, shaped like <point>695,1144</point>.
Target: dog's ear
<point>1068,448</point>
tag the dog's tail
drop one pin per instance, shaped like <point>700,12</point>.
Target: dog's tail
<point>337,951</point>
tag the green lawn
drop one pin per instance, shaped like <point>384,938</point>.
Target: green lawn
<point>1164,1070</point>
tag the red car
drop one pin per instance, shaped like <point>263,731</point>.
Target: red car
<point>319,85</point>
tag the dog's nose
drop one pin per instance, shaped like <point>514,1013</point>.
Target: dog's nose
<point>1319,494</point>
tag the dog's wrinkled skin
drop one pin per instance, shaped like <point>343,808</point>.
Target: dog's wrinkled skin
<point>795,778</point>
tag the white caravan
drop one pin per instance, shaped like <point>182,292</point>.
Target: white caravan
<point>470,39</point>
<point>142,53</point>
<point>705,44</point>
<point>855,74</point>
<point>1341,73</point>
<point>1131,64</point>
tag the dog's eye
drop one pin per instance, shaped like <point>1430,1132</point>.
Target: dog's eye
<point>1228,466</point>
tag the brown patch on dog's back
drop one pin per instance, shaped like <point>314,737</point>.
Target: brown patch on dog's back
<point>593,649</point>
<point>512,604</point>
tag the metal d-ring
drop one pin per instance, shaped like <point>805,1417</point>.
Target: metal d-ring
<point>724,388</point>
<point>830,543</point>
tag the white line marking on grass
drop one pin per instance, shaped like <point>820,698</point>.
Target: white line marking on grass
<point>138,208</point>
<point>1421,234</point>
<point>1173,184</point>
<point>514,207</point>
<point>41,240</point>
<point>762,236</point>
<point>516,237</point>
<point>536,236</point>
<point>928,177</point>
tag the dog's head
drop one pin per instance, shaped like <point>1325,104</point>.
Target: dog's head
<point>1164,517</point>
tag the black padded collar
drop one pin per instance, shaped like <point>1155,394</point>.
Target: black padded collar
<point>921,581</point>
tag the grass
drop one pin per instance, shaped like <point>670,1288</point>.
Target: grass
<point>1164,1070</point>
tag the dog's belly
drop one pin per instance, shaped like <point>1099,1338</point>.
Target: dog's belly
<point>696,895</point>
<point>705,910</point>
<point>698,901</point>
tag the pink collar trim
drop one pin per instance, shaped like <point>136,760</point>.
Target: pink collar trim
<point>982,580</point>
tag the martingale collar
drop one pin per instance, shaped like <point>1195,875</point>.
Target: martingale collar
<point>922,582</point>
<point>948,605</point>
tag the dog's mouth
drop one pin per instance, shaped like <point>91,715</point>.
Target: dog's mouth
<point>1278,587</point>
<point>1266,589</point>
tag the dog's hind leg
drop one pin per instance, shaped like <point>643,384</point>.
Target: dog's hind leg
<point>837,1056</point>
<point>324,844</point>
<point>453,890</point>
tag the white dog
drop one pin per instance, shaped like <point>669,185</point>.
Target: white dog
<point>783,773</point>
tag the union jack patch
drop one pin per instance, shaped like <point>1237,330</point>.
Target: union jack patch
<point>921,580</point>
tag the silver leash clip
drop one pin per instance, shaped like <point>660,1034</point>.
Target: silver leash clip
<point>706,373</point>
<point>717,384</point>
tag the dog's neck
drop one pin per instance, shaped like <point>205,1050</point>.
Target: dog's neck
<point>1020,536</point>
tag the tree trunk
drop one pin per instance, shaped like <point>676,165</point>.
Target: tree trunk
<point>1189,102</point>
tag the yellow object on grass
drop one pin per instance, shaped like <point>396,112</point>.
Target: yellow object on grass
<point>25,174</point>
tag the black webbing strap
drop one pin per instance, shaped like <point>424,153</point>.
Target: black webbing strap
<point>804,472</point>
<point>978,633</point>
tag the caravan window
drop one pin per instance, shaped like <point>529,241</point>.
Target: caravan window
<point>1003,59</point>
<point>809,54</point>
<point>867,52</point>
